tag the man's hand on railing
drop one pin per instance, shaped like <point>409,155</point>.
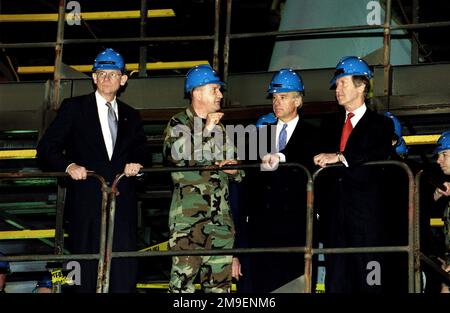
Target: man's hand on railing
<point>77,172</point>
<point>132,169</point>
<point>270,162</point>
<point>324,159</point>
<point>228,162</point>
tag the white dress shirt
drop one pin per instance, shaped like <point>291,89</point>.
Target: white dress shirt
<point>102,109</point>
<point>289,130</point>
<point>358,114</point>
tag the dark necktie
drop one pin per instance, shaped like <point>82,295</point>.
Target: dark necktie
<point>112,123</point>
<point>346,130</point>
<point>282,138</point>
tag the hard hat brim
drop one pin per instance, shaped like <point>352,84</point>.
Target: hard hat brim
<point>221,83</point>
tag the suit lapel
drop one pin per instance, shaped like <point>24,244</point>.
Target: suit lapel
<point>363,121</point>
<point>338,122</point>
<point>122,128</point>
<point>360,127</point>
<point>295,134</point>
<point>271,138</point>
<point>93,122</point>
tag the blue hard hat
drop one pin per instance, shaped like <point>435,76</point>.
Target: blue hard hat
<point>397,125</point>
<point>201,75</point>
<point>109,60</point>
<point>269,118</point>
<point>351,65</point>
<point>443,142</point>
<point>401,147</point>
<point>4,265</point>
<point>44,282</point>
<point>286,80</point>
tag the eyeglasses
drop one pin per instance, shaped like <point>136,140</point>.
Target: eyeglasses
<point>110,75</point>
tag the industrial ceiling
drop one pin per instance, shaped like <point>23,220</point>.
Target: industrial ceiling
<point>188,18</point>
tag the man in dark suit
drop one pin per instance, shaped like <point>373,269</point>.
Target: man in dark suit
<point>279,205</point>
<point>352,202</point>
<point>99,133</point>
<point>441,201</point>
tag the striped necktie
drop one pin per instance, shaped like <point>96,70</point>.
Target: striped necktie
<point>282,138</point>
<point>112,123</point>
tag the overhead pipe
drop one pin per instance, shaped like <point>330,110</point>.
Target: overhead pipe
<point>387,53</point>
<point>54,100</point>
<point>226,48</point>
<point>280,34</point>
<point>216,35</point>
<point>143,48</point>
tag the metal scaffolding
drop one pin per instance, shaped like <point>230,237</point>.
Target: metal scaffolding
<point>385,30</point>
<point>106,254</point>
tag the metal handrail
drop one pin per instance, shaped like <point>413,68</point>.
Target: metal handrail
<point>417,228</point>
<point>107,231</point>
<point>413,228</point>
<point>411,248</point>
<point>59,234</point>
<point>114,190</point>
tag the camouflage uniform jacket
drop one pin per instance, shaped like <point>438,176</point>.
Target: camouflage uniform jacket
<point>198,196</point>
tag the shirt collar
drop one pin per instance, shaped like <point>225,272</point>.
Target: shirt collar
<point>101,101</point>
<point>359,112</point>
<point>291,124</point>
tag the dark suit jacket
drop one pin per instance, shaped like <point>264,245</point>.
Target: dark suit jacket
<point>75,136</point>
<point>368,141</point>
<point>278,204</point>
<point>358,187</point>
<point>284,192</point>
<point>350,199</point>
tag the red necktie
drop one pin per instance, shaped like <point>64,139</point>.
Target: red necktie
<point>346,130</point>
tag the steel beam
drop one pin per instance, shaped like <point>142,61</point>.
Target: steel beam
<point>18,154</point>
<point>27,234</point>
<point>129,67</point>
<point>88,16</point>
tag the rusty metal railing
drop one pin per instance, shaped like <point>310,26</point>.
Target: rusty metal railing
<point>413,227</point>
<point>308,250</point>
<point>107,229</point>
<point>114,190</point>
<point>59,233</point>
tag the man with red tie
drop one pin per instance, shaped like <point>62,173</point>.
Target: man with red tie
<point>353,210</point>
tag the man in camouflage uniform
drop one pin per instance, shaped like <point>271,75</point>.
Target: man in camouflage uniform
<point>200,216</point>
<point>440,196</point>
